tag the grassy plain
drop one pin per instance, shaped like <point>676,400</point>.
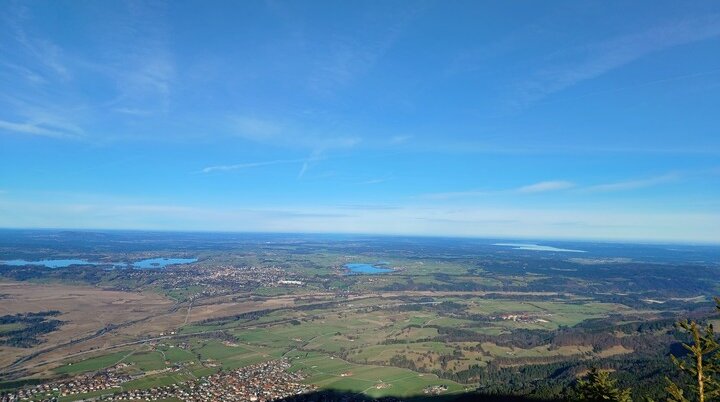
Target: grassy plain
<point>374,381</point>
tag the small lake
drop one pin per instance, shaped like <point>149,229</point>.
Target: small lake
<point>150,263</point>
<point>367,269</point>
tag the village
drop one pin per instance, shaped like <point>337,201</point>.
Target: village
<point>260,382</point>
<point>107,379</point>
<point>224,279</point>
<point>535,318</point>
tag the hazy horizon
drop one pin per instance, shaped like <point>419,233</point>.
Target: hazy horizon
<point>490,238</point>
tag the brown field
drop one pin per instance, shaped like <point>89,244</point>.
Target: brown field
<point>87,310</point>
<point>223,306</point>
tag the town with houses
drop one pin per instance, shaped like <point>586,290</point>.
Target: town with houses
<point>260,382</point>
<point>223,279</point>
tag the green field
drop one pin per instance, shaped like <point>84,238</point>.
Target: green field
<point>374,381</point>
<point>10,327</point>
<point>93,364</point>
<point>352,346</point>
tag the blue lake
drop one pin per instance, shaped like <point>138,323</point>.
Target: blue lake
<point>150,263</point>
<point>47,263</point>
<point>154,263</point>
<point>366,269</point>
<point>537,247</point>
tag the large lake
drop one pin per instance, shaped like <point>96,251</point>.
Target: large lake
<point>150,263</point>
<point>537,247</point>
<point>367,269</point>
<point>46,263</point>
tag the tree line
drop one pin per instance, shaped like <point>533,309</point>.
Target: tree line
<point>698,369</point>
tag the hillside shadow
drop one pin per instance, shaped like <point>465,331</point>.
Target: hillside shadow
<point>338,396</point>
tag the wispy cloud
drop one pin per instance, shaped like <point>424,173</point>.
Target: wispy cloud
<point>593,60</point>
<point>288,134</point>
<point>544,186</point>
<point>303,169</point>
<point>38,82</point>
<point>560,185</point>
<point>456,194</point>
<point>345,57</point>
<point>540,187</point>
<point>46,129</point>
<point>28,74</point>
<point>315,156</point>
<point>400,139</point>
<point>239,166</point>
<point>136,55</point>
<point>133,112</point>
<point>635,184</point>
<point>42,50</point>
<point>375,181</point>
<point>128,62</point>
<point>592,223</point>
<point>304,163</point>
<point>255,129</point>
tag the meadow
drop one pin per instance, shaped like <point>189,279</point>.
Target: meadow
<point>383,346</point>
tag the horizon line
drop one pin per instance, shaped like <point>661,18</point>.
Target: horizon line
<point>698,243</point>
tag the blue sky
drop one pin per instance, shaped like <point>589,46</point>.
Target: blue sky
<point>588,120</point>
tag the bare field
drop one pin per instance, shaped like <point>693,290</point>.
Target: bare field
<point>219,307</point>
<point>85,310</point>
